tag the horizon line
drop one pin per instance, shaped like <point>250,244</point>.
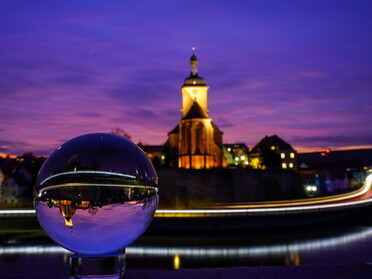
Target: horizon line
<point>299,150</point>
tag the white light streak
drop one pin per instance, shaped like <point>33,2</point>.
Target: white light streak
<point>255,250</point>
<point>89,172</point>
<point>258,250</point>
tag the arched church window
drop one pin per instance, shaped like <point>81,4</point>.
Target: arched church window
<point>199,138</point>
<point>187,138</point>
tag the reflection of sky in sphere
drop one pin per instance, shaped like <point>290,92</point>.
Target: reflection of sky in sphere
<point>104,230</point>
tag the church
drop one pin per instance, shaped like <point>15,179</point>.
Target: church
<point>196,142</point>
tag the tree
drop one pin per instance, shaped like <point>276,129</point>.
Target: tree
<point>120,132</point>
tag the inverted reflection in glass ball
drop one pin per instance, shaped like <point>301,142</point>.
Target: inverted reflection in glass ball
<point>96,194</point>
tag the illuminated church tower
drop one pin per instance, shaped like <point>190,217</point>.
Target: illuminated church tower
<point>196,142</point>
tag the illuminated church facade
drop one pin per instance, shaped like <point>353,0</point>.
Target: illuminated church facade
<point>196,142</point>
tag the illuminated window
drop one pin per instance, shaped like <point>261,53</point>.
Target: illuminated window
<point>292,155</point>
<point>282,155</point>
<point>291,165</point>
<point>284,165</point>
<point>272,147</point>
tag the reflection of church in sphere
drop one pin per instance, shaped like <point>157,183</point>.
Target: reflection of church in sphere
<point>196,142</point>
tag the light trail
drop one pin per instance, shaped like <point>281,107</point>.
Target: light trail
<point>125,176</point>
<point>358,198</point>
<point>255,250</point>
<point>252,250</point>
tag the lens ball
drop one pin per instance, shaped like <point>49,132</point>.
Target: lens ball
<point>96,194</point>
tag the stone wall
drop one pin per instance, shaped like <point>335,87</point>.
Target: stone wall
<point>185,188</point>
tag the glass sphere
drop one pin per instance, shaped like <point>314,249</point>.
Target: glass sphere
<point>96,194</point>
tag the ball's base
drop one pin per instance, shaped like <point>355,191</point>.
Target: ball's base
<point>107,266</point>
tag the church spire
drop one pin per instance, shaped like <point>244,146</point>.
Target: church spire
<point>194,62</point>
<point>194,79</point>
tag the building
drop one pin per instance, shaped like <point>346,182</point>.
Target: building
<point>273,152</point>
<point>236,154</point>
<point>155,153</point>
<point>9,191</point>
<point>335,171</point>
<point>196,142</point>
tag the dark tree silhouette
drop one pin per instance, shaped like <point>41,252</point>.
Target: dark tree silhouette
<point>120,132</point>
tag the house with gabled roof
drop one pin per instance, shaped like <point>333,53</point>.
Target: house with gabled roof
<point>273,152</point>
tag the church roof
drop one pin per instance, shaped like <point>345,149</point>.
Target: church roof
<point>196,112</point>
<point>267,142</point>
<point>151,148</point>
<point>194,80</point>
<point>175,130</point>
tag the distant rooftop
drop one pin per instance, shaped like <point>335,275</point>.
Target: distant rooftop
<point>267,142</point>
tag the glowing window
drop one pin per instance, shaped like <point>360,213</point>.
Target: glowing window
<point>292,155</point>
<point>272,147</point>
<point>284,165</point>
<point>291,165</point>
<point>282,155</point>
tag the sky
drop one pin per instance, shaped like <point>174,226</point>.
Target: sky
<point>299,69</point>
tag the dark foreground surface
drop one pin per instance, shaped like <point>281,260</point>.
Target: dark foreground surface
<point>322,271</point>
<point>303,272</point>
<point>316,249</point>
